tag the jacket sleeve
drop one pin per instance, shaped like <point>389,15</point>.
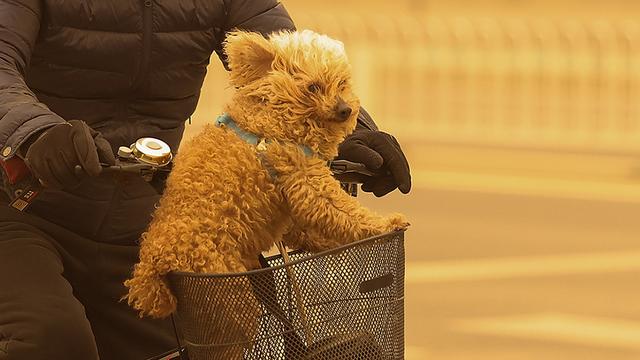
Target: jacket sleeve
<point>263,16</point>
<point>365,121</point>
<point>21,114</point>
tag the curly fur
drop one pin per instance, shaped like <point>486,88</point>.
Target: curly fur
<point>221,207</point>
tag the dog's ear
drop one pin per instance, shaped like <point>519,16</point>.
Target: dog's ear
<point>250,56</point>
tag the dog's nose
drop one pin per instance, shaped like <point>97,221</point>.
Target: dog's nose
<point>343,111</point>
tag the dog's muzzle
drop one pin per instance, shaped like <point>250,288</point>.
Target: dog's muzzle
<point>342,111</point>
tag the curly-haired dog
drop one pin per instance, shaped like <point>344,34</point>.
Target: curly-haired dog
<point>228,199</point>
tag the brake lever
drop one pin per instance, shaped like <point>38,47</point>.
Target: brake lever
<point>120,167</point>
<point>340,167</point>
<point>350,174</point>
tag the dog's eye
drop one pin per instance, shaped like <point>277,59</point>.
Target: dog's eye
<point>313,88</point>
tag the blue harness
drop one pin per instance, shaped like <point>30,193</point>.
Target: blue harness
<point>225,120</point>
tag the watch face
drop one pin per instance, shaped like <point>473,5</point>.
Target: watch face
<point>152,151</point>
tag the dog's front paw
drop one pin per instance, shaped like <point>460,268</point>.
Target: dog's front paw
<point>396,222</point>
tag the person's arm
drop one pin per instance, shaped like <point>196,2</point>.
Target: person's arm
<point>21,114</point>
<point>52,148</point>
<point>263,16</point>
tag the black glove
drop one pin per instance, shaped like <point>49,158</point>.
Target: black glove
<point>378,151</point>
<point>53,156</point>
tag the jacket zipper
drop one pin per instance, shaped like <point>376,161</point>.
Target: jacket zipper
<point>143,71</point>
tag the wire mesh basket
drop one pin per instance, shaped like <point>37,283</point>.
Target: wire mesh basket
<point>342,304</point>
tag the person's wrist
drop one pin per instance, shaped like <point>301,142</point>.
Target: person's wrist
<point>26,144</point>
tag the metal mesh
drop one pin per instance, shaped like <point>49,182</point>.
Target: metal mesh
<point>353,306</point>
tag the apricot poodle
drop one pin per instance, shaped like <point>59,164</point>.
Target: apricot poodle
<point>259,175</point>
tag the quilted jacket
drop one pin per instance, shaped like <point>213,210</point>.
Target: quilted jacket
<point>129,68</point>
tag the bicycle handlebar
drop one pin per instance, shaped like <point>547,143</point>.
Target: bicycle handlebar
<point>341,169</point>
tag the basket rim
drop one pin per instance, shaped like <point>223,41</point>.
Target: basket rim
<point>295,262</point>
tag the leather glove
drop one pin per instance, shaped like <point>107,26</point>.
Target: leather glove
<point>379,152</point>
<point>54,155</point>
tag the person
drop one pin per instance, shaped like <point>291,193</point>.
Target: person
<point>78,79</point>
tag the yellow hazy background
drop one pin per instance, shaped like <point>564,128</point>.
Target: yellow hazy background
<point>521,121</point>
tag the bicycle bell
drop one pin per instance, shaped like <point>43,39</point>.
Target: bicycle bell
<point>151,151</point>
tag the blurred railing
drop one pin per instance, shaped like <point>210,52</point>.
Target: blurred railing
<point>569,86</point>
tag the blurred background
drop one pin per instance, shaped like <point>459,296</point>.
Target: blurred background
<point>521,120</point>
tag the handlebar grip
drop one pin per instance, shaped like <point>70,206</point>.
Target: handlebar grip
<point>118,168</point>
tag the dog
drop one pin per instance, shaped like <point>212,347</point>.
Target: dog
<point>260,175</point>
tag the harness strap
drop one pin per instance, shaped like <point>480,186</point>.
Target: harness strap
<point>225,120</point>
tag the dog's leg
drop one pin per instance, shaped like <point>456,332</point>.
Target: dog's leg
<point>161,252</point>
<point>233,313</point>
<point>327,214</point>
<point>149,293</point>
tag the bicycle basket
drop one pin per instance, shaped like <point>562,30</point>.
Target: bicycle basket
<point>352,299</point>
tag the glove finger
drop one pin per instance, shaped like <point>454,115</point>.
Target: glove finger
<point>85,148</point>
<point>63,171</point>
<point>380,186</point>
<point>384,188</point>
<point>105,153</point>
<point>46,172</point>
<point>394,159</point>
<point>367,186</point>
<point>40,170</point>
<point>358,152</point>
<point>405,188</point>
<point>406,162</point>
<point>103,147</point>
<point>370,183</point>
<point>397,163</point>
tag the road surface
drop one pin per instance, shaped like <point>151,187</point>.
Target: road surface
<point>499,276</point>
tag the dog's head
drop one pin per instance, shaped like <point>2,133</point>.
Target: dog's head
<point>293,86</point>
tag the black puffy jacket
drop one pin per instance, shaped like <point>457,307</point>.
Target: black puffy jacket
<point>129,68</point>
